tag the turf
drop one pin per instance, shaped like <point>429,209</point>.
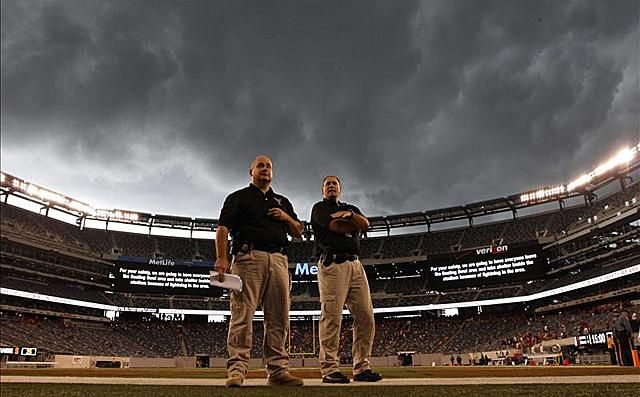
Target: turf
<point>42,390</point>
<point>309,373</point>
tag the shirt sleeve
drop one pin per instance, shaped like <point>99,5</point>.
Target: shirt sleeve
<point>288,208</point>
<point>229,212</point>
<point>355,209</point>
<point>320,215</point>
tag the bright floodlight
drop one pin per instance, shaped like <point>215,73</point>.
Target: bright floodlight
<point>622,157</point>
<point>117,215</point>
<point>543,193</point>
<point>583,180</point>
<point>81,207</point>
<point>45,194</point>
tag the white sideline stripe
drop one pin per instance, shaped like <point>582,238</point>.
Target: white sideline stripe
<point>539,380</point>
<point>33,362</point>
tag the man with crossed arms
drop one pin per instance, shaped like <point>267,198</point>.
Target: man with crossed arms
<point>259,221</point>
<point>341,279</point>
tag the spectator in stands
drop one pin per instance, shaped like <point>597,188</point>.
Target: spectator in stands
<point>342,279</point>
<point>259,221</point>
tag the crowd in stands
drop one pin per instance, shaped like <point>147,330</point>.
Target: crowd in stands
<point>165,338</point>
<point>44,255</point>
<point>153,337</point>
<point>575,321</point>
<point>211,338</point>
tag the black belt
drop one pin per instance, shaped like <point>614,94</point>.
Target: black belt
<point>247,246</point>
<point>337,258</point>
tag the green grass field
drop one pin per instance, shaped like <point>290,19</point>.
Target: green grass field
<point>538,390</point>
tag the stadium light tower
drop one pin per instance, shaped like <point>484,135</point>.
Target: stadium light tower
<point>623,157</point>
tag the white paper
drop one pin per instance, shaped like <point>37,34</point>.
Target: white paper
<point>231,281</point>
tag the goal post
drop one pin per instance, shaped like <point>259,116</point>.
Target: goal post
<point>298,346</point>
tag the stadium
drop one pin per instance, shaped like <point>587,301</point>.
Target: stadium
<point>528,282</point>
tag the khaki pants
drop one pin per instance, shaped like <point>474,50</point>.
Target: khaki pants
<point>266,283</point>
<point>340,284</point>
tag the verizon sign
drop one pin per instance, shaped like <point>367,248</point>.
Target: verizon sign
<point>495,249</point>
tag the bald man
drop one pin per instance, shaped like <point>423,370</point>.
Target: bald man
<point>258,220</point>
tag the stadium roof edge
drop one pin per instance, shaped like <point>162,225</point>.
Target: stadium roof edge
<point>15,186</point>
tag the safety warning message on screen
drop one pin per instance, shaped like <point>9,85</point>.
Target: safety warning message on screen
<point>155,278</point>
<point>493,264</point>
<point>130,277</point>
<point>485,268</point>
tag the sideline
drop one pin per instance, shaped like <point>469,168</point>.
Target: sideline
<point>318,382</point>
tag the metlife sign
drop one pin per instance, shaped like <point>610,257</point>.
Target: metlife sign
<point>305,269</point>
<point>160,276</point>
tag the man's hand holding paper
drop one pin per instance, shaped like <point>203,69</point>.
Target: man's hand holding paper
<point>230,281</point>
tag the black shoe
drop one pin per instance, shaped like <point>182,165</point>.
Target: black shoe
<point>367,376</point>
<point>335,377</point>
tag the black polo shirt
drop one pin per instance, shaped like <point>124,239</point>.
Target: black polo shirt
<point>244,213</point>
<point>328,240</point>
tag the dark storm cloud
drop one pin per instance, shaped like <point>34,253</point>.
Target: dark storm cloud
<point>415,105</point>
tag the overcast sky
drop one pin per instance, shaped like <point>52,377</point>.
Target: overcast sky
<point>160,106</point>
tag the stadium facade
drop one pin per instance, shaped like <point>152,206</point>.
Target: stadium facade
<point>544,269</point>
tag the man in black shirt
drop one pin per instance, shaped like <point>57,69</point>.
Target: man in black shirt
<point>341,279</point>
<point>259,221</point>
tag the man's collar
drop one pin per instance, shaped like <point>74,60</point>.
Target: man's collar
<point>252,186</point>
<point>330,200</point>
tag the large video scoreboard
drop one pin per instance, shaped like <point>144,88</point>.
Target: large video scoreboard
<point>498,264</point>
<point>162,276</point>
<point>487,265</point>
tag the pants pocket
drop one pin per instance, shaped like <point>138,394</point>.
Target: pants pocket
<point>327,298</point>
<point>236,300</point>
<point>328,304</point>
